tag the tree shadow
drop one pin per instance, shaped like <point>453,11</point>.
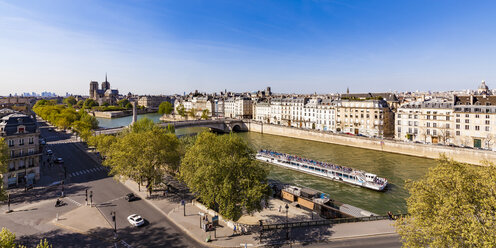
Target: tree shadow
<point>303,235</point>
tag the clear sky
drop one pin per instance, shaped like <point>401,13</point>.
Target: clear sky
<point>166,47</point>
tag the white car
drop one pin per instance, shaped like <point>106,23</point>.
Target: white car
<point>135,220</point>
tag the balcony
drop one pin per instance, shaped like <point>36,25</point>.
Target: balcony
<point>25,155</point>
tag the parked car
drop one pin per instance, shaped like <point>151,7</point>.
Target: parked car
<point>49,152</point>
<point>59,160</point>
<point>135,220</point>
<point>42,141</point>
<point>131,197</point>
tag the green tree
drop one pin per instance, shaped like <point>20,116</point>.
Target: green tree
<point>205,113</point>
<point>123,103</point>
<point>70,101</point>
<point>129,106</point>
<point>192,113</point>
<point>7,238</point>
<point>89,103</point>
<point>222,171</point>
<point>44,244</point>
<point>80,104</point>
<point>145,152</point>
<point>165,108</point>
<point>453,205</point>
<point>181,110</point>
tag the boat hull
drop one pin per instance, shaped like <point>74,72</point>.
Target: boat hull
<point>327,175</point>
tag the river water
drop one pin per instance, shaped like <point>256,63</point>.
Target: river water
<point>395,167</point>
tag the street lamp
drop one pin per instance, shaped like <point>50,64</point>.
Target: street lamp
<point>287,224</point>
<point>91,198</point>
<point>115,224</point>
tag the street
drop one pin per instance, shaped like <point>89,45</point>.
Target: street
<point>83,173</point>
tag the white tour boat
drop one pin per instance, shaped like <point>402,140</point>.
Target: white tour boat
<point>323,169</point>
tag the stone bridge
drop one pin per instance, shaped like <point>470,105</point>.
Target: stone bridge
<point>220,126</point>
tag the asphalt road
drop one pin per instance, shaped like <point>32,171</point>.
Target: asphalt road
<point>108,195</point>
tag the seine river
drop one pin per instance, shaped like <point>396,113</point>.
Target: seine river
<point>395,167</point>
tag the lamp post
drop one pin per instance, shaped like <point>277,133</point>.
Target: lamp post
<point>91,198</point>
<point>287,224</point>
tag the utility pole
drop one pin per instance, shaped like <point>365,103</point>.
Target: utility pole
<point>287,224</point>
<point>91,198</point>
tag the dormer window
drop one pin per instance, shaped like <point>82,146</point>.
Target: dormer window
<point>20,130</point>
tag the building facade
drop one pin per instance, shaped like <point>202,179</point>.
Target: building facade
<point>21,134</point>
<point>105,94</point>
<point>152,102</point>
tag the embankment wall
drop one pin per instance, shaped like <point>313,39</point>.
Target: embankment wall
<point>464,155</point>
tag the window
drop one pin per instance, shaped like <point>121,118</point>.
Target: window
<point>31,140</point>
<point>12,153</point>
<point>399,129</point>
<point>434,124</point>
<point>428,124</point>
<point>399,115</point>
<point>477,116</point>
<point>457,115</point>
<point>467,127</point>
<point>477,128</point>
<point>434,132</point>
<point>467,115</point>
<point>415,131</point>
<point>457,120</point>
<point>467,121</point>
<point>447,133</point>
<point>11,143</point>
<point>21,142</point>
<point>447,118</point>
<point>487,116</point>
<point>447,125</point>
<point>487,122</point>
<point>428,131</point>
<point>428,117</point>
<point>487,129</point>
<point>457,126</point>
<point>458,133</point>
<point>434,117</point>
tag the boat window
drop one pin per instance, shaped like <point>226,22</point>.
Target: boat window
<point>339,174</point>
<point>345,176</point>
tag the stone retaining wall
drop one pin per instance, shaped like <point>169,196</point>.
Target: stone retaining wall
<point>464,155</point>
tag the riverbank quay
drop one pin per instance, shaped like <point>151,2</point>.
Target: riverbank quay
<point>188,218</point>
<point>119,113</point>
<point>464,155</point>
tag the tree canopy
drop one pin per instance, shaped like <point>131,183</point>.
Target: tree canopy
<point>70,101</point>
<point>454,205</point>
<point>65,117</point>
<point>146,152</point>
<point>7,240</point>
<point>205,113</point>
<point>165,108</point>
<point>181,110</point>
<point>222,171</point>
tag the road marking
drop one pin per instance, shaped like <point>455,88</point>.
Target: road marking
<point>125,244</point>
<point>73,201</point>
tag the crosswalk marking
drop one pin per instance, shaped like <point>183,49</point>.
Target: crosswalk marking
<point>86,171</point>
<point>125,244</point>
<point>73,201</point>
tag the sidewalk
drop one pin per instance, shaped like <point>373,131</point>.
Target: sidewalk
<point>191,225</point>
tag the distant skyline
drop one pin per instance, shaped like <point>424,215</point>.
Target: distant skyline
<point>168,47</point>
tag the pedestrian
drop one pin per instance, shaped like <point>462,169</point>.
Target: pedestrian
<point>234,229</point>
<point>279,208</point>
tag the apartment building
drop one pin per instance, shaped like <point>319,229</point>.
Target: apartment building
<point>428,121</point>
<point>365,117</point>
<point>21,134</point>
<point>152,102</point>
<point>238,107</point>
<point>475,121</point>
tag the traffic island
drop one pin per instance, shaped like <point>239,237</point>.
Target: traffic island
<point>85,220</point>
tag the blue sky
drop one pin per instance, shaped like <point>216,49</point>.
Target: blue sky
<point>166,47</point>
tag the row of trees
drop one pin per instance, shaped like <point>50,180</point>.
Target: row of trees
<point>181,110</point>
<point>220,170</point>
<point>65,116</point>
<point>7,240</point>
